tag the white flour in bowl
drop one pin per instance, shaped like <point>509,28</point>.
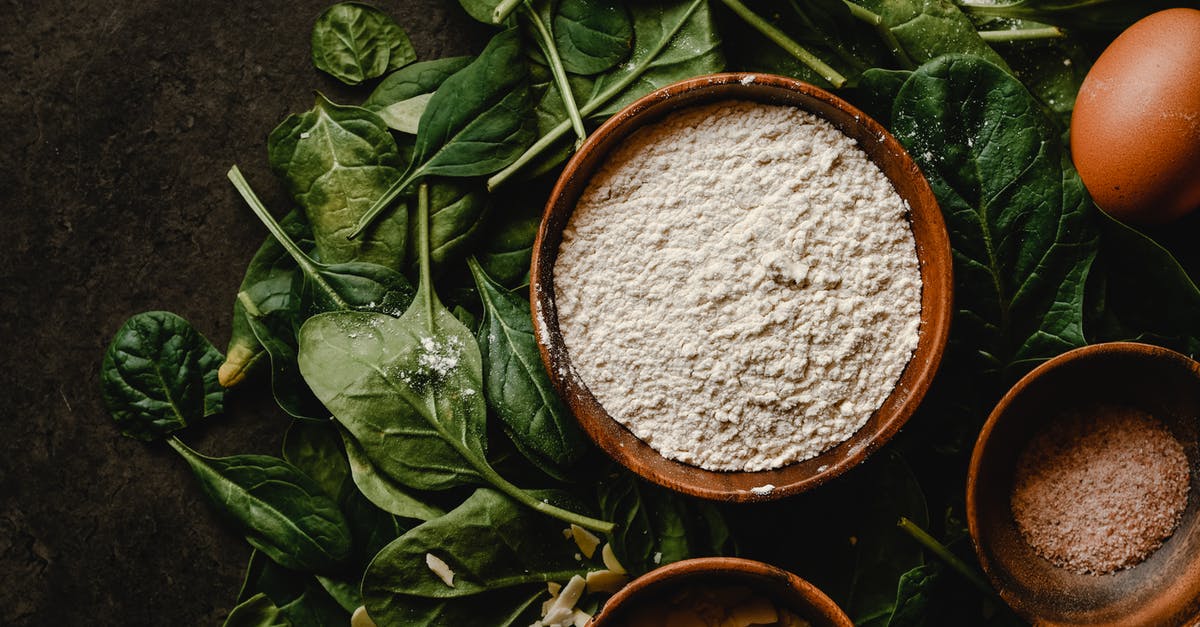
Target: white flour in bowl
<point>738,285</point>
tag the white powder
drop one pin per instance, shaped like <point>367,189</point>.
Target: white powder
<point>738,285</point>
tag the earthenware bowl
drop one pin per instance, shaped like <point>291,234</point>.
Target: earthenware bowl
<point>1164,589</point>
<point>783,589</point>
<point>933,250</point>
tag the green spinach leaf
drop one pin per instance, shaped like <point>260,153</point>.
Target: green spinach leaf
<point>883,553</point>
<point>269,282</point>
<point>257,611</point>
<point>414,80</point>
<point>655,527</point>
<point>279,509</point>
<point>276,332</point>
<point>1101,15</point>
<point>1139,292</point>
<point>672,40</point>
<point>592,36</point>
<point>299,596</point>
<point>927,29</point>
<point>159,375</point>
<point>316,449</point>
<point>381,490</point>
<point>356,42</point>
<point>490,542</point>
<point>476,123</point>
<point>914,597</point>
<point>515,380</point>
<point>335,161</point>
<point>506,249</point>
<point>334,287</point>
<point>1021,226</point>
<point>458,210</point>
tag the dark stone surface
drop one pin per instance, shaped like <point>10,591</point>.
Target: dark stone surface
<point>119,122</point>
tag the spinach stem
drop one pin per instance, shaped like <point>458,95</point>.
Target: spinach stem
<point>531,501</point>
<point>425,290</point>
<point>594,104</point>
<point>504,9</point>
<point>863,14</point>
<point>310,267</point>
<point>1022,34</point>
<point>546,43</point>
<point>937,548</point>
<point>788,44</point>
<point>384,202</point>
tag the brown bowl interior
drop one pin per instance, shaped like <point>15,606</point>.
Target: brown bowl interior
<point>1164,589</point>
<point>783,588</point>
<point>933,249</point>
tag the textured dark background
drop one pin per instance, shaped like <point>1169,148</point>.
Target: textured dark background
<point>118,121</point>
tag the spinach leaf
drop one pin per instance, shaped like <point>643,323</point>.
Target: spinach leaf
<point>480,10</point>
<point>476,123</point>
<point>818,41</point>
<point>343,286</point>
<point>913,597</point>
<point>402,97</point>
<point>655,527</point>
<point>592,36</point>
<point>457,213</point>
<point>515,380</point>
<point>877,89</point>
<point>410,389</point>
<point>355,42</point>
<point>883,552</point>
<point>336,161</point>
<point>299,596</point>
<point>672,40</point>
<point>275,331</point>
<point>490,542</point>
<point>1021,227</point>
<point>269,282</point>
<point>501,608</point>
<point>316,449</point>
<point>1138,291</point>
<point>1052,71</point>
<point>159,375</point>
<point>279,509</point>
<point>927,29</point>
<point>257,611</point>
<point>1101,15</point>
<point>506,249</point>
<point>414,80</point>
<point>381,490</point>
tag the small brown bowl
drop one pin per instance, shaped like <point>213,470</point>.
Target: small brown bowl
<point>783,589</point>
<point>1164,589</point>
<point>933,252</point>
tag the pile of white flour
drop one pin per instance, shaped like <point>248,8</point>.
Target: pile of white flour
<point>739,286</point>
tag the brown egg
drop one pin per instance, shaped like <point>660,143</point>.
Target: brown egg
<point>1135,132</point>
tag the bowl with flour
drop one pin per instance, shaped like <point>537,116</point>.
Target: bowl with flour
<point>741,286</point>
<point>1083,493</point>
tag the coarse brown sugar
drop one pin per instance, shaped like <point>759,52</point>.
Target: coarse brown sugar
<point>1100,489</point>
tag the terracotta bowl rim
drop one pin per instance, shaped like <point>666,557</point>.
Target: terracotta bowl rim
<point>801,589</point>
<point>933,254</point>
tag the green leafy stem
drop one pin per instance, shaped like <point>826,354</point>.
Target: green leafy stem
<point>946,555</point>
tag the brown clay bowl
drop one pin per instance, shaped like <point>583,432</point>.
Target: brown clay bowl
<point>783,588</point>
<point>933,250</point>
<point>1164,589</point>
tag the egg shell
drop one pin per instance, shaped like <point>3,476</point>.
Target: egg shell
<point>1135,131</point>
